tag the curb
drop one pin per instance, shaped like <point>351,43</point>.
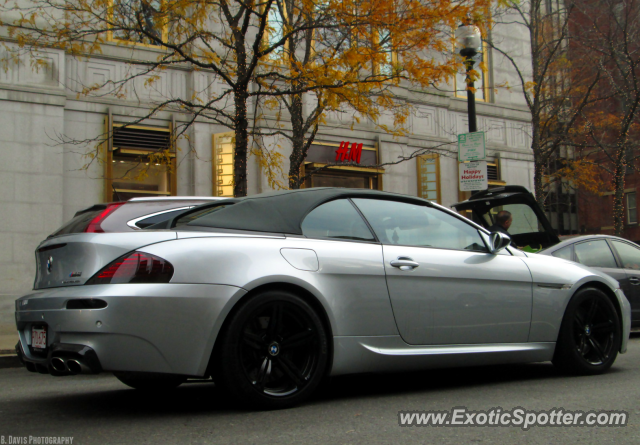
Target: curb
<point>10,361</point>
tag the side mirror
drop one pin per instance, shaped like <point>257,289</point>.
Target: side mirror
<point>498,241</point>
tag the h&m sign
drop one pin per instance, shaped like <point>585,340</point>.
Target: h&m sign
<point>349,154</point>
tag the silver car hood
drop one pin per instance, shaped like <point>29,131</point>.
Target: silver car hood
<point>70,260</point>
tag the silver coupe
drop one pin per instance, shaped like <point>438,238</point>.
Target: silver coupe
<point>270,294</point>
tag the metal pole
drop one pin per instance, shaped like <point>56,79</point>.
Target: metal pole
<point>471,97</point>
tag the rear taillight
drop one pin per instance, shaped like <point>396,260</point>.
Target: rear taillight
<point>94,225</point>
<point>136,267</point>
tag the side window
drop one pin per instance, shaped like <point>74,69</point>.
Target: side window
<point>336,219</point>
<point>629,255</point>
<point>595,254</point>
<point>564,253</point>
<point>420,226</point>
<point>158,218</point>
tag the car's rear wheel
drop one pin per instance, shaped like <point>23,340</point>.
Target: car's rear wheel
<point>148,381</point>
<point>273,352</point>
<point>590,334</point>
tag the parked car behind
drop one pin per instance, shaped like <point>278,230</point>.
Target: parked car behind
<point>125,216</point>
<point>614,256</point>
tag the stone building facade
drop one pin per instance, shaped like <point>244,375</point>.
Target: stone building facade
<point>45,180</point>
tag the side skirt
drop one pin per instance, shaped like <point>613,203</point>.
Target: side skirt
<point>391,354</point>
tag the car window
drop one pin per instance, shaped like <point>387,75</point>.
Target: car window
<point>80,221</point>
<point>595,254</point>
<point>420,226</point>
<point>630,255</point>
<point>564,253</point>
<point>155,219</point>
<point>336,219</point>
<point>524,220</point>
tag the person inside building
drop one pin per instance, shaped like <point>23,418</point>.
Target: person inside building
<point>502,223</point>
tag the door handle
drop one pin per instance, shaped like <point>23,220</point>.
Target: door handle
<point>404,263</point>
<point>634,280</point>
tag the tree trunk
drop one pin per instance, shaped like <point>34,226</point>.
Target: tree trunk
<point>618,192</point>
<point>538,184</point>
<point>242,143</point>
<point>297,141</point>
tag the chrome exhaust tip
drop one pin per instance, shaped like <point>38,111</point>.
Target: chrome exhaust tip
<point>77,367</point>
<point>58,364</point>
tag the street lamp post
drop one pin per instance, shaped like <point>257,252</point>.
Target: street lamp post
<point>470,43</point>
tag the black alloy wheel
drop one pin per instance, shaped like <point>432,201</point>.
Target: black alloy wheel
<point>273,353</point>
<point>590,335</point>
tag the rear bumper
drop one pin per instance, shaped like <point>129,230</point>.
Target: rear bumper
<point>162,328</point>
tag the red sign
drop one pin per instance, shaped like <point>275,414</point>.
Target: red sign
<point>344,153</point>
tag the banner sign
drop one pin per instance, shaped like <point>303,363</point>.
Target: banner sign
<point>473,176</point>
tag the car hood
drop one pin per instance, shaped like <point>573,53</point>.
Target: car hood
<point>70,260</point>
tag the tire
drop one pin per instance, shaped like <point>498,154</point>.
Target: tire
<point>273,352</point>
<point>147,381</point>
<point>590,335</point>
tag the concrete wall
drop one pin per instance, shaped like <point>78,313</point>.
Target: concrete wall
<point>31,202</point>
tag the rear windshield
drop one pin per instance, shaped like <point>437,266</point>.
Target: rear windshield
<point>79,222</point>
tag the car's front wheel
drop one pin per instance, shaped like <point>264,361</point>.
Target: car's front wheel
<point>590,334</point>
<point>273,352</point>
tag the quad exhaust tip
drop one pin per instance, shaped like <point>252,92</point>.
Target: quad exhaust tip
<point>70,366</point>
<point>59,365</point>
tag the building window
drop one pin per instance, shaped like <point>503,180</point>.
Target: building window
<point>481,84</point>
<point>223,156</point>
<point>632,210</point>
<point>140,162</point>
<point>386,49</point>
<point>137,21</point>
<point>429,177</point>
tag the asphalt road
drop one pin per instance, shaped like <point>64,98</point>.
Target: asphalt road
<point>354,409</point>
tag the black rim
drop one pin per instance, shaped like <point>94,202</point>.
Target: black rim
<point>594,330</point>
<point>279,348</point>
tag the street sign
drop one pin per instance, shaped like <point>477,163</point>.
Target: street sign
<point>471,147</point>
<point>473,176</point>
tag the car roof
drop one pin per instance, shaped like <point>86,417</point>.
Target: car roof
<point>579,239</point>
<point>283,211</point>
<point>175,198</point>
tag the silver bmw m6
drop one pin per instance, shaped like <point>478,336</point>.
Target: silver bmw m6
<point>270,294</point>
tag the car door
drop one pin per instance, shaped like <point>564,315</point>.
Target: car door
<point>597,253</point>
<point>629,257</point>
<point>445,287</point>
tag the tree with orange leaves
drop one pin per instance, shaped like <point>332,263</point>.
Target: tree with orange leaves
<point>371,50</point>
<point>607,32</point>
<point>354,52</point>
<point>556,85</point>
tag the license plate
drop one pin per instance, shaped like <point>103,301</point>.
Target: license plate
<point>39,338</point>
